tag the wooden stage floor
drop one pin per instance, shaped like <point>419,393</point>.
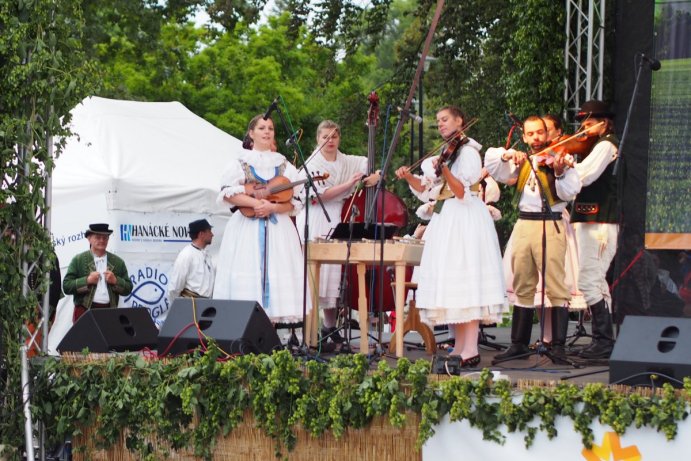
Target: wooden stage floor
<point>537,368</point>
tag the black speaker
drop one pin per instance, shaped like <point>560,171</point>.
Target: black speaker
<point>660,345</point>
<point>238,327</point>
<point>106,330</point>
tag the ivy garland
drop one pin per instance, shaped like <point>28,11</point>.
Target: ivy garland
<point>191,401</point>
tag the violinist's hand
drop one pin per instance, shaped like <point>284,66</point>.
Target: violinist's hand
<point>560,164</point>
<point>403,172</point>
<point>264,208</point>
<point>514,156</point>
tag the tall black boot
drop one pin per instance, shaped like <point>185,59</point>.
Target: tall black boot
<point>603,333</point>
<point>560,323</point>
<point>521,327</point>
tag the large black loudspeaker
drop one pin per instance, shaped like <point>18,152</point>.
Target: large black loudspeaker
<point>106,330</point>
<point>651,345</point>
<point>238,327</point>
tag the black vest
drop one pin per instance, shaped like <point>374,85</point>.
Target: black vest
<point>598,201</point>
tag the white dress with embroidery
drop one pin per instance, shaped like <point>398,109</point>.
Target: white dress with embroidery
<point>461,277</point>
<point>251,245</point>
<point>340,171</point>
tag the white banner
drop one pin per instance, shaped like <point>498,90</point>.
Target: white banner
<point>453,439</point>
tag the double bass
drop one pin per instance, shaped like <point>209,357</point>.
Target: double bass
<point>389,209</point>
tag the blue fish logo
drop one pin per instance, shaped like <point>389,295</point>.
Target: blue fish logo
<point>148,292</point>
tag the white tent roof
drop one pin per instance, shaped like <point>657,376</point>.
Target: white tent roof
<point>144,156</point>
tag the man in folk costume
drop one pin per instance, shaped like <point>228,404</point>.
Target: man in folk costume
<point>96,278</point>
<point>594,218</point>
<point>560,184</point>
<point>193,273</point>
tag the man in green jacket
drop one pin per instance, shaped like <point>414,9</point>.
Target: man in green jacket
<point>96,278</point>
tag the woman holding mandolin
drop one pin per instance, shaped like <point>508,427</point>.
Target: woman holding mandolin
<point>343,173</point>
<point>260,256</point>
<point>460,277</point>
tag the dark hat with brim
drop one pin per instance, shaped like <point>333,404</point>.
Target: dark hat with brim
<point>99,228</point>
<point>594,109</point>
<point>199,225</point>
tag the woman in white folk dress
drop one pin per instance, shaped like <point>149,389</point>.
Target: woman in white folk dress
<point>345,172</point>
<point>461,281</point>
<point>260,257</point>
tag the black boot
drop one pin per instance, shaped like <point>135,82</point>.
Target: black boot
<point>560,323</point>
<point>603,333</point>
<point>521,327</point>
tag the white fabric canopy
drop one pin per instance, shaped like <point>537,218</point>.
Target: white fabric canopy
<point>145,156</point>
<point>147,169</point>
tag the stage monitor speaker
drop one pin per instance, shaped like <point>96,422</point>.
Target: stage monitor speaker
<point>107,330</point>
<point>238,327</point>
<point>657,345</point>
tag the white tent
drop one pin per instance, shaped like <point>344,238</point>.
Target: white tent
<point>147,169</point>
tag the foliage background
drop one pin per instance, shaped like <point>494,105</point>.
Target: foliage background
<point>322,56</point>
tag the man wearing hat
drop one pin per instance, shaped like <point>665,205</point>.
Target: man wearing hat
<point>193,273</point>
<point>594,218</point>
<point>96,278</point>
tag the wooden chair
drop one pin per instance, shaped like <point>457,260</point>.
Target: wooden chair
<point>413,323</point>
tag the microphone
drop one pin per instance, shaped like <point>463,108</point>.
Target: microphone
<point>415,117</point>
<point>652,62</point>
<point>271,108</point>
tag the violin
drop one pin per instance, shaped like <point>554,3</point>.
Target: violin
<point>278,189</point>
<point>579,144</point>
<point>451,151</point>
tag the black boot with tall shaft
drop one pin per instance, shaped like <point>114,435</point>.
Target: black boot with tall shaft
<point>560,324</point>
<point>521,327</point>
<point>603,333</point>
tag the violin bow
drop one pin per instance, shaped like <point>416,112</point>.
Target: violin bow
<point>460,132</point>
<point>564,141</point>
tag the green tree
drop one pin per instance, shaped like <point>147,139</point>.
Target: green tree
<point>43,76</point>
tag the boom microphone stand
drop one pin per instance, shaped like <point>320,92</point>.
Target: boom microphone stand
<point>294,143</point>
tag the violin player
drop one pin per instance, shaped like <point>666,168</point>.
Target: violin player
<point>594,219</point>
<point>554,128</point>
<point>460,279</point>
<point>260,257</point>
<point>345,172</point>
<point>560,184</point>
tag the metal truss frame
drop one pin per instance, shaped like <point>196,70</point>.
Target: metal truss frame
<point>584,53</point>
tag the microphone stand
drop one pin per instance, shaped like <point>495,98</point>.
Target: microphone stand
<point>343,289</point>
<point>620,181</point>
<point>309,185</point>
<point>541,349</point>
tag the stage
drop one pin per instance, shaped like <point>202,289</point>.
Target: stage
<point>536,368</point>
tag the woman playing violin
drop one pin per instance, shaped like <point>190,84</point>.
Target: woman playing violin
<point>460,278</point>
<point>260,258</point>
<point>345,172</point>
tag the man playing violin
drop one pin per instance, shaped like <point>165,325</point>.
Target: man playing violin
<point>559,184</point>
<point>594,220</point>
<point>553,124</point>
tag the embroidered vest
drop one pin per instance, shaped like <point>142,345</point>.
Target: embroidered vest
<point>546,177</point>
<point>598,201</point>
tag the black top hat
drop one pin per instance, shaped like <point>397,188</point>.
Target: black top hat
<point>199,225</point>
<point>99,228</point>
<point>594,109</point>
